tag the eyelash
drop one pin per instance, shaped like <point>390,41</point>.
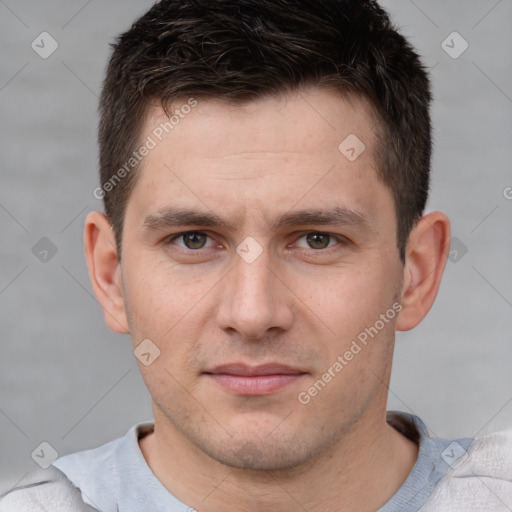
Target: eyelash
<point>339,238</point>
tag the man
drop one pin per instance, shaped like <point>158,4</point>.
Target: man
<point>265,168</point>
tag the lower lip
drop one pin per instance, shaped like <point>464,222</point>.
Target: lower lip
<point>256,384</point>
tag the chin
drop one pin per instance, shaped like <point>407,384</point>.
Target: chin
<point>264,451</point>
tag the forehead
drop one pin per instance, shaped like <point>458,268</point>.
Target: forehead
<point>306,121</point>
<point>313,146</point>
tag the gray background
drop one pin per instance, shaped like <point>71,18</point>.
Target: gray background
<point>66,379</point>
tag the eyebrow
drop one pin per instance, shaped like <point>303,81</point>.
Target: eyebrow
<point>172,217</point>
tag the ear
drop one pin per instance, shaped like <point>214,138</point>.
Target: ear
<point>427,252</point>
<point>105,270</point>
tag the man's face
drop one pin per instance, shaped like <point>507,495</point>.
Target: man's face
<point>278,282</point>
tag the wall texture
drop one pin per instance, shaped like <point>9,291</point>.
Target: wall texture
<point>67,380</point>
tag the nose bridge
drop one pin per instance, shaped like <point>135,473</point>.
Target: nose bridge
<point>252,283</point>
<point>253,277</point>
<point>253,300</point>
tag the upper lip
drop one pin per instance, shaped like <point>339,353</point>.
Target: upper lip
<point>250,371</point>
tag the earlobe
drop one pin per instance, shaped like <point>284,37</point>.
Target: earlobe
<point>105,270</point>
<point>426,256</point>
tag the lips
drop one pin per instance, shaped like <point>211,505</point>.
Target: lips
<point>248,380</point>
<point>251,371</point>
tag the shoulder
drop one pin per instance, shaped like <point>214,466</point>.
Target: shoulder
<point>103,473</point>
<point>41,491</point>
<point>80,481</point>
<point>479,479</point>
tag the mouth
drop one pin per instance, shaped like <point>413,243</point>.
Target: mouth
<point>260,380</point>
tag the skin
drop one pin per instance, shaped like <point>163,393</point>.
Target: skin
<point>295,304</point>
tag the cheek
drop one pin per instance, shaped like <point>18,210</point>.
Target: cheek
<point>345,299</point>
<point>169,308</point>
<point>347,306</point>
<point>358,355</point>
<point>162,300</point>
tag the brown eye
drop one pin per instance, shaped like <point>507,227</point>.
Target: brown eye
<point>194,240</point>
<point>318,240</point>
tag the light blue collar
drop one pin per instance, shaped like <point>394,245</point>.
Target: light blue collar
<point>116,478</point>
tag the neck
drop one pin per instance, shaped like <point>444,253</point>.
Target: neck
<point>372,455</point>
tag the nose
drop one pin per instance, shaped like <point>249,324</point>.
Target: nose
<point>255,299</point>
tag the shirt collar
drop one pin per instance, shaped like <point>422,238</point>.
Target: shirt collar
<point>116,478</point>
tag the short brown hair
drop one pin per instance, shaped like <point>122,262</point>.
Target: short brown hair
<point>239,50</point>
